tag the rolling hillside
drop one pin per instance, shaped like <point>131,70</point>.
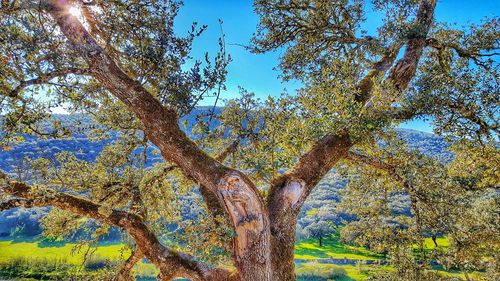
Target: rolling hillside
<point>24,223</point>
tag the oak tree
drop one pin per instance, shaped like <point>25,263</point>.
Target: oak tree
<point>122,63</point>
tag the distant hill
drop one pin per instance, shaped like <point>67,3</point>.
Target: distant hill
<point>78,143</point>
<point>427,143</point>
<point>25,222</point>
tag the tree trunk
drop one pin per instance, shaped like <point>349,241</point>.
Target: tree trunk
<point>250,219</point>
<point>284,203</point>
<point>320,241</point>
<point>125,273</point>
<point>283,246</point>
<point>434,239</point>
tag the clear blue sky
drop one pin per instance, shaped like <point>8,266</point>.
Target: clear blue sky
<point>255,72</point>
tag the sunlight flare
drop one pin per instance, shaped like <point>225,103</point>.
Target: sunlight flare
<point>75,11</point>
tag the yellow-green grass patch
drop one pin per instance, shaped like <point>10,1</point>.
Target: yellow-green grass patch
<point>441,241</point>
<point>11,250</point>
<point>309,249</point>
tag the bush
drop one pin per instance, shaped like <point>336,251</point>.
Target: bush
<point>314,271</point>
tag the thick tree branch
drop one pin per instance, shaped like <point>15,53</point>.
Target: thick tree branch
<point>210,199</point>
<point>17,203</point>
<point>365,86</point>
<point>92,22</point>
<point>221,157</point>
<point>374,162</point>
<point>468,113</point>
<point>213,205</point>
<point>476,55</point>
<point>46,77</point>
<point>125,273</point>
<point>404,70</point>
<point>288,192</point>
<point>402,114</point>
<point>313,165</point>
<point>291,189</point>
<point>170,262</point>
<point>161,123</point>
<point>460,109</point>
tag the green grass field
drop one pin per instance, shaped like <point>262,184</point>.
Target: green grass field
<point>11,250</point>
<point>441,241</point>
<point>307,251</point>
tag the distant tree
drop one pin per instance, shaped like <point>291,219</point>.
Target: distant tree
<point>122,63</point>
<point>319,230</point>
<point>320,222</point>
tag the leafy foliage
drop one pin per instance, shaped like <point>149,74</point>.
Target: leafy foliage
<point>441,200</point>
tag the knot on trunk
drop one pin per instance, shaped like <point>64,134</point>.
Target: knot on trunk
<point>293,194</point>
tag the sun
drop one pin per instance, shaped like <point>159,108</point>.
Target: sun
<point>75,11</point>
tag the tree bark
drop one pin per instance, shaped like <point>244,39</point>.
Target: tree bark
<point>284,203</point>
<point>283,244</point>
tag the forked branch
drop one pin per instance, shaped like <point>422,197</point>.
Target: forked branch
<point>314,164</point>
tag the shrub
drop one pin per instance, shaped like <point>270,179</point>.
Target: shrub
<point>35,265</point>
<point>38,268</point>
<point>314,271</point>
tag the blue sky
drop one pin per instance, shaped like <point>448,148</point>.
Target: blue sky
<point>255,72</point>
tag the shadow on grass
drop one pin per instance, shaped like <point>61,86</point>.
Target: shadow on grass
<point>45,243</point>
<point>332,248</point>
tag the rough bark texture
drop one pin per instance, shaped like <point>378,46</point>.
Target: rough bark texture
<point>405,68</point>
<point>288,194</point>
<point>251,223</point>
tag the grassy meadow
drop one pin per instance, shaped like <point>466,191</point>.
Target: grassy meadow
<point>42,260</point>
